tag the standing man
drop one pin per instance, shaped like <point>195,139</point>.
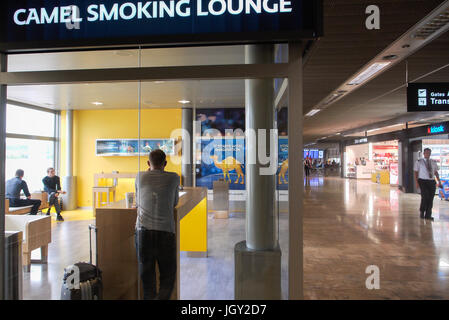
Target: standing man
<point>307,166</point>
<point>13,189</point>
<point>426,171</point>
<point>156,199</point>
<point>52,185</point>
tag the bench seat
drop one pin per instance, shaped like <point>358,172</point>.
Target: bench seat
<point>36,232</point>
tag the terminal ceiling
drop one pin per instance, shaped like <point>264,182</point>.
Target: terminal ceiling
<point>346,47</point>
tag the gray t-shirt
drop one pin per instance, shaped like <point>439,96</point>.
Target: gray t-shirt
<point>157,195</point>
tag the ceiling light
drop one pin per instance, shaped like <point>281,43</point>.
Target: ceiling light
<point>443,264</point>
<point>159,82</point>
<point>124,53</point>
<point>368,73</point>
<point>184,101</point>
<point>390,57</point>
<point>332,98</point>
<point>313,112</point>
<point>97,103</point>
<point>395,125</point>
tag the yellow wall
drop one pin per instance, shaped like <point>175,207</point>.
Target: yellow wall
<point>90,125</point>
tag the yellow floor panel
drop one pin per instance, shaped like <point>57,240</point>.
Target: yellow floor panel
<point>75,215</point>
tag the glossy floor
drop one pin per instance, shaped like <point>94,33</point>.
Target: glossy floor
<point>348,226</point>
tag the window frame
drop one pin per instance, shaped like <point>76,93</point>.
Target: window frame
<point>56,132</point>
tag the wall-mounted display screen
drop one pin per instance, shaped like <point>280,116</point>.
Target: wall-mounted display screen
<point>130,147</point>
<point>313,154</point>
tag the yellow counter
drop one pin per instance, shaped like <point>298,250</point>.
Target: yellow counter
<point>381,176</point>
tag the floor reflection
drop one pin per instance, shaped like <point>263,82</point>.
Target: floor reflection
<point>351,224</point>
<point>348,226</point>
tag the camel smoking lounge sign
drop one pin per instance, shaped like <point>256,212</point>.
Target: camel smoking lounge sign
<point>40,24</point>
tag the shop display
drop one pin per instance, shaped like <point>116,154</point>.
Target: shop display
<point>384,156</point>
<point>444,191</point>
<point>357,162</point>
<point>394,173</point>
<point>386,162</point>
<point>376,161</point>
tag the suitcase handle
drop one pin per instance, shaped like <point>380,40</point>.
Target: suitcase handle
<point>93,227</point>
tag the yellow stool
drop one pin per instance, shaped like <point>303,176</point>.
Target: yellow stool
<point>99,191</point>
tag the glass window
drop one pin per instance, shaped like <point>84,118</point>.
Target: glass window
<point>32,156</point>
<point>29,122</point>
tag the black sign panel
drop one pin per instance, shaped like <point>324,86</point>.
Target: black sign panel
<point>427,97</point>
<point>40,24</point>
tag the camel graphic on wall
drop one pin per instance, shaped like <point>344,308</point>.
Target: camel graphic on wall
<point>227,165</point>
<point>284,169</point>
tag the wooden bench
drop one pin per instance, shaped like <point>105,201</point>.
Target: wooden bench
<point>36,232</point>
<point>26,210</point>
<point>17,210</point>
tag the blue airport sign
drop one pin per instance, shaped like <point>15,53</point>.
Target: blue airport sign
<point>40,24</point>
<point>427,97</point>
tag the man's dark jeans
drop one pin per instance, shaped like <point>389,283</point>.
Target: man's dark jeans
<point>53,200</point>
<point>428,188</point>
<point>156,247</point>
<point>14,203</point>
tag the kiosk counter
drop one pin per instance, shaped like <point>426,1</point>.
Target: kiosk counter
<point>116,245</point>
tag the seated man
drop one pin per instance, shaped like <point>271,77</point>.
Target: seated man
<point>157,196</point>
<point>52,185</point>
<point>13,189</point>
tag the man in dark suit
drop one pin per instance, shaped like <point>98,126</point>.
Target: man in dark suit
<point>14,187</point>
<point>52,185</point>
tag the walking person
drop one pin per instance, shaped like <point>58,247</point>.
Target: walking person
<point>14,187</point>
<point>307,166</point>
<point>157,194</point>
<point>426,172</point>
<point>52,185</point>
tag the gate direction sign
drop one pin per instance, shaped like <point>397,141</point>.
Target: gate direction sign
<point>58,24</point>
<point>427,97</point>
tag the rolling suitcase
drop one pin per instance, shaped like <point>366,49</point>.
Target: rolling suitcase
<point>83,280</point>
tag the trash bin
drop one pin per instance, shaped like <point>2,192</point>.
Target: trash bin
<point>13,265</point>
<point>221,199</point>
